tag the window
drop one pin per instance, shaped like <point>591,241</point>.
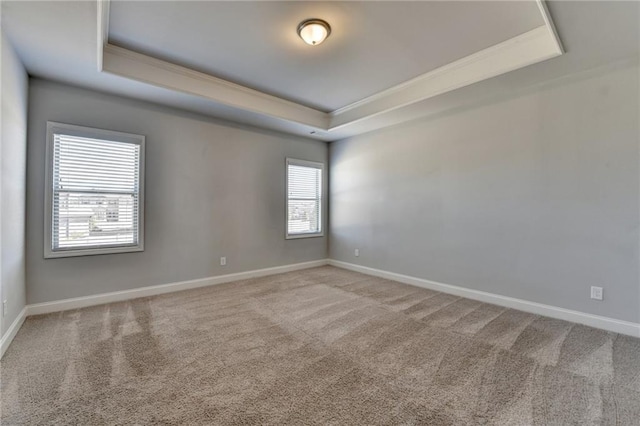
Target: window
<point>95,191</point>
<point>304,199</point>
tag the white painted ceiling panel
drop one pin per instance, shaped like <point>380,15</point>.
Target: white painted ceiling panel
<point>373,45</point>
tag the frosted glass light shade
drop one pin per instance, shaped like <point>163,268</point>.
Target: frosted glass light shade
<point>314,31</point>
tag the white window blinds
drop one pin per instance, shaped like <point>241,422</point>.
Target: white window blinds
<point>304,198</point>
<point>96,191</point>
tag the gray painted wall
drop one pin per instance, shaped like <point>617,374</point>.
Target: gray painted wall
<point>534,197</point>
<point>14,91</point>
<point>212,189</point>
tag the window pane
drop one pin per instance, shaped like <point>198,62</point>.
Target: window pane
<point>304,197</point>
<point>304,182</point>
<point>95,192</point>
<point>304,216</point>
<point>90,220</point>
<point>90,164</point>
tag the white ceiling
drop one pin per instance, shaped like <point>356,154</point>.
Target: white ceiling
<point>373,45</point>
<point>57,40</point>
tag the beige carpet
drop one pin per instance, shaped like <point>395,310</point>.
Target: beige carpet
<point>320,346</point>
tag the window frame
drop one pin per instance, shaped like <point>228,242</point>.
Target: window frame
<point>102,134</point>
<point>311,164</point>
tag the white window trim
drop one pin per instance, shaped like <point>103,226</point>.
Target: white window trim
<point>303,163</point>
<point>88,132</point>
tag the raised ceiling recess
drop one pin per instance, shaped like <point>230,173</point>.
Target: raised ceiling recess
<point>381,56</point>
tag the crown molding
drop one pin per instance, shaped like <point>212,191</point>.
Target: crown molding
<point>145,68</point>
<point>531,47</point>
<point>544,11</point>
<point>525,49</point>
<point>102,29</point>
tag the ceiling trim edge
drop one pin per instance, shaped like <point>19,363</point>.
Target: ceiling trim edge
<point>102,28</point>
<point>548,22</point>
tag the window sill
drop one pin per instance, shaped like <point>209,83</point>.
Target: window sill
<point>298,236</point>
<point>49,254</point>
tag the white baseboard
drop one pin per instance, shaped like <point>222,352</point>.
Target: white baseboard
<point>118,296</point>
<point>605,323</point>
<point>6,340</point>
<point>610,324</point>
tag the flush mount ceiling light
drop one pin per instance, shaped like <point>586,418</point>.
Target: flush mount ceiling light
<point>314,31</point>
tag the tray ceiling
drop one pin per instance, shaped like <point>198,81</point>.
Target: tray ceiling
<point>373,45</point>
<point>68,41</point>
<point>201,48</point>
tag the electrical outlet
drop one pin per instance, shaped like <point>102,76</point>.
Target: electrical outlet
<point>596,293</point>
<point>357,252</point>
<point>223,261</point>
<point>4,307</point>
